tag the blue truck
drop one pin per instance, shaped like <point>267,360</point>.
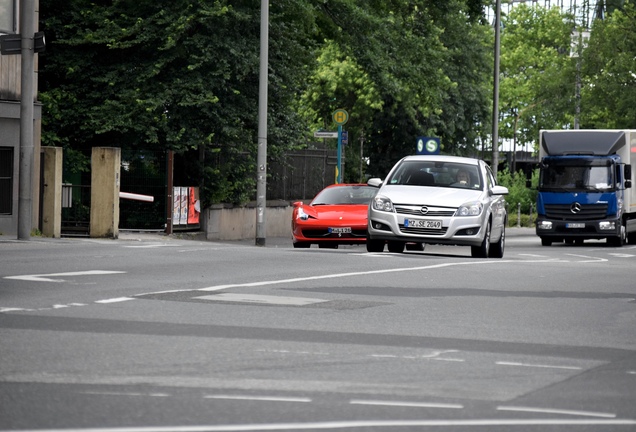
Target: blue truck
<point>585,186</point>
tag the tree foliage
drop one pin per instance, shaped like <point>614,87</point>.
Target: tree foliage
<point>609,70</point>
<point>537,74</point>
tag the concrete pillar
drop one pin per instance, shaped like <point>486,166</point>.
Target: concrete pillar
<point>52,193</point>
<point>105,175</point>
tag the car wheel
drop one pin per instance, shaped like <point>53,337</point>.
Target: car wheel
<point>620,240</point>
<point>328,245</point>
<point>482,250</point>
<point>497,249</point>
<point>415,247</point>
<point>396,246</point>
<point>546,242</point>
<point>375,245</point>
<point>301,245</point>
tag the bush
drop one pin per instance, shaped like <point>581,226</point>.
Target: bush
<point>518,191</point>
<point>527,221</point>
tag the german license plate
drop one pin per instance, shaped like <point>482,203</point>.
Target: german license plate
<point>575,225</point>
<point>417,223</point>
<point>340,230</point>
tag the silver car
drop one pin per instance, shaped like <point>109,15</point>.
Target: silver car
<point>438,200</point>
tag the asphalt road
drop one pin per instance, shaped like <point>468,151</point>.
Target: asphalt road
<point>155,333</point>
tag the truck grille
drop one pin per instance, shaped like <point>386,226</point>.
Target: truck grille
<point>587,212</point>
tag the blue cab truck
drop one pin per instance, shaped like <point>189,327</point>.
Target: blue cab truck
<point>585,186</point>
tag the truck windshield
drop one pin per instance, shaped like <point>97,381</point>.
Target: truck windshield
<point>570,177</point>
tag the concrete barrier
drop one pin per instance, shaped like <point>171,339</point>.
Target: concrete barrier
<point>228,222</point>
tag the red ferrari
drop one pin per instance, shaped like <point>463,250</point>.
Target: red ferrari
<point>337,215</point>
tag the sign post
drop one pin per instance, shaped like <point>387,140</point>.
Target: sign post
<point>340,117</point>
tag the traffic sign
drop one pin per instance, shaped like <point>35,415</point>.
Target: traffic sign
<point>340,117</point>
<point>323,134</point>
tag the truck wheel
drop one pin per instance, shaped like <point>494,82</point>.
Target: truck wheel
<point>546,242</point>
<point>620,240</point>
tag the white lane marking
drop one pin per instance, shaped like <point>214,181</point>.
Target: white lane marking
<point>631,372</point>
<point>621,255</point>
<point>262,299</point>
<point>341,275</point>
<point>274,351</point>
<point>433,356</point>
<point>533,255</point>
<point>355,424</point>
<point>589,258</point>
<point>502,363</point>
<point>47,277</point>
<point>405,404</point>
<point>105,393</point>
<point>556,411</point>
<point>114,300</point>
<point>259,398</point>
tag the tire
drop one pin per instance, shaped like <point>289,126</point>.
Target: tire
<point>396,246</point>
<point>497,249</point>
<point>482,250</point>
<point>327,245</point>
<point>301,245</point>
<point>375,245</point>
<point>620,240</point>
<point>546,242</point>
<point>419,247</point>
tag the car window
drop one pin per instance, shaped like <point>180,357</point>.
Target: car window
<point>345,195</point>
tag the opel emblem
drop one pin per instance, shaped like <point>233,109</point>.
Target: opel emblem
<point>424,210</point>
<point>575,208</point>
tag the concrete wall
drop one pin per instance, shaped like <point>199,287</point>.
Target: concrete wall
<point>226,222</point>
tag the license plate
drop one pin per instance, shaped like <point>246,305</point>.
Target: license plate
<point>340,230</point>
<point>575,225</point>
<point>417,223</point>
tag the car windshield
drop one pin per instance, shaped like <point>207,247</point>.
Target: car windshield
<point>354,194</point>
<point>437,174</point>
<point>576,178</point>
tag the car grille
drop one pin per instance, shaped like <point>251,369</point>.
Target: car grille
<point>416,210</point>
<point>588,212</point>
<point>424,231</point>
<point>323,233</point>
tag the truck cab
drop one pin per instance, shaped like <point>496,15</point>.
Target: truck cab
<point>585,187</point>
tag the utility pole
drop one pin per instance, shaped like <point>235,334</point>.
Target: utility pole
<point>261,162</point>
<point>495,96</point>
<point>25,189</point>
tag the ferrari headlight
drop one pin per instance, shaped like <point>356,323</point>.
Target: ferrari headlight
<point>382,204</point>
<point>301,214</point>
<point>470,209</point>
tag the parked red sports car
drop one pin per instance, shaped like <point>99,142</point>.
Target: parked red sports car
<point>337,215</point>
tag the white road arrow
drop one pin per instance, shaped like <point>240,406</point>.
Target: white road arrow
<point>47,277</point>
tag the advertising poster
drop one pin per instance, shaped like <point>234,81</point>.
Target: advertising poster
<point>183,218</point>
<point>194,206</point>
<point>176,208</point>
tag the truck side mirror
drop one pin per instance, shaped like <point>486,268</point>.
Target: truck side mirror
<point>628,176</point>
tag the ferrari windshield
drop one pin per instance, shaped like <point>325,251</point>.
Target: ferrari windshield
<point>349,194</point>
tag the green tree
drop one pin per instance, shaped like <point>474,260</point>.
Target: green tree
<point>537,74</point>
<point>609,72</point>
<point>181,75</point>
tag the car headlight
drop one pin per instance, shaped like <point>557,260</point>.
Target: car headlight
<point>301,214</point>
<point>382,204</point>
<point>470,209</point>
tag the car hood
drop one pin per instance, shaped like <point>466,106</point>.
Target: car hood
<point>337,212</point>
<point>431,196</point>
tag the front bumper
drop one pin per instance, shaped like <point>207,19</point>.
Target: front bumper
<point>461,231</point>
<point>582,229</point>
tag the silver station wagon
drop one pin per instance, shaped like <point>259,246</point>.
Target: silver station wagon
<point>435,199</point>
